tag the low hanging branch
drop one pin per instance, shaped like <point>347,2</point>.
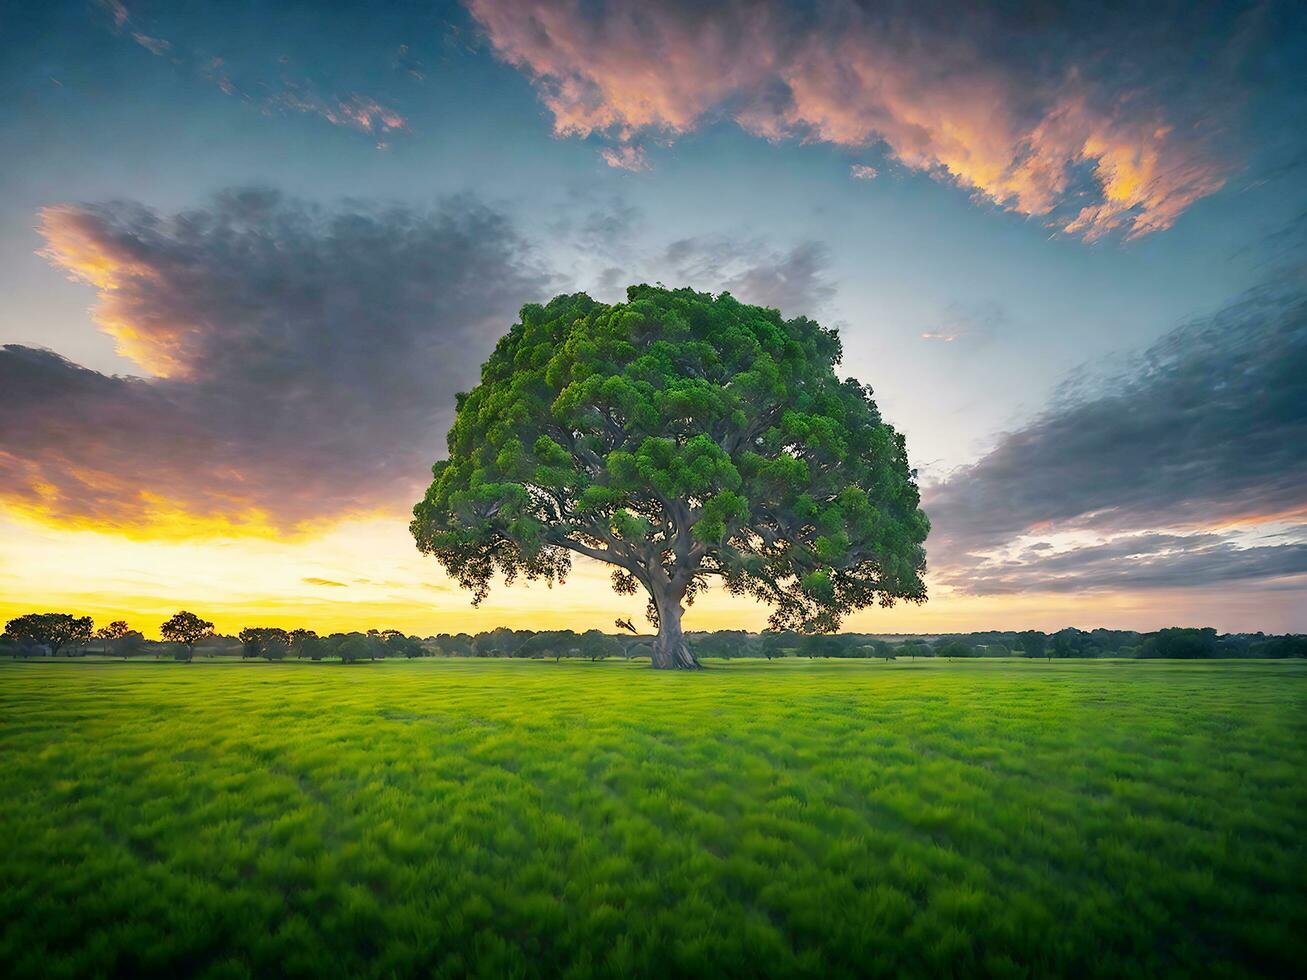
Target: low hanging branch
<point>678,437</point>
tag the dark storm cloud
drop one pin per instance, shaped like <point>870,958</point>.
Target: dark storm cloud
<point>1208,429</point>
<point>305,360</point>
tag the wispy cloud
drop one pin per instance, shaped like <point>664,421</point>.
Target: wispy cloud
<point>627,156</point>
<point>1040,128</point>
<point>971,321</point>
<point>862,171</point>
<point>351,110</point>
<point>1190,467</point>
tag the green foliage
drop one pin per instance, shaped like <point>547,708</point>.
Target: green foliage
<point>594,645</point>
<point>821,645</point>
<point>355,647</point>
<point>185,627</point>
<point>399,645</point>
<point>954,648</point>
<point>54,630</point>
<point>1178,643</point>
<point>680,437</point>
<point>269,642</point>
<point>1032,643</point>
<point>510,818</point>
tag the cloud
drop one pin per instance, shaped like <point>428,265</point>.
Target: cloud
<point>117,11</point>
<point>1077,116</point>
<point>302,361</point>
<point>861,171</point>
<point>795,282</point>
<point>314,580</point>
<point>628,156</point>
<point>354,111</point>
<point>1188,467</point>
<point>351,110</point>
<point>1141,561</point>
<point>155,45</point>
<point>972,321</point>
<point>610,240</point>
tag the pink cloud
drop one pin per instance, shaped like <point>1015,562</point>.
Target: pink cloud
<point>1024,140</point>
<point>627,156</point>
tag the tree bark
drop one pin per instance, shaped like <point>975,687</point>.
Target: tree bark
<point>670,651</point>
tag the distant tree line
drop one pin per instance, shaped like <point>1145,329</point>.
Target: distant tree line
<point>185,634</point>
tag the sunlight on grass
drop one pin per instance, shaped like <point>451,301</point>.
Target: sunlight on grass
<point>524,818</point>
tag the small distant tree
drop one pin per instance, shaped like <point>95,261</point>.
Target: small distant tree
<point>884,651</point>
<point>81,633</point>
<point>400,645</point>
<point>779,643</point>
<point>186,628</point>
<point>550,643</point>
<point>353,648</point>
<point>1032,643</point>
<point>299,638</point>
<point>914,649</point>
<point>1060,646</point>
<point>131,644</point>
<point>724,644</point>
<point>454,644</point>
<point>53,630</point>
<point>595,645</point>
<point>954,648</point>
<point>1179,643</point>
<point>312,646</point>
<point>821,645</point>
<point>276,644</point>
<point>110,634</point>
<point>269,642</point>
<point>499,642</point>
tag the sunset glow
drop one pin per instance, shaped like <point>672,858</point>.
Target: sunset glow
<point>230,364</point>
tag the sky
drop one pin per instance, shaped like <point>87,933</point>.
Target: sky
<point>249,253</point>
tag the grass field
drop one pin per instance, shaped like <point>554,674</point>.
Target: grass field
<point>1005,818</point>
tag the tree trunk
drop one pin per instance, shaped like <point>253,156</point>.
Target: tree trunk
<point>670,651</point>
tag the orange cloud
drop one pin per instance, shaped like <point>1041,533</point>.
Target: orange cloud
<point>80,242</point>
<point>304,363</point>
<point>1023,140</point>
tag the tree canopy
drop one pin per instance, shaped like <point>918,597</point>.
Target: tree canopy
<point>186,628</point>
<point>54,630</point>
<point>679,437</point>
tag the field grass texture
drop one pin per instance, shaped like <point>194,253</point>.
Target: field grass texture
<point>518,819</point>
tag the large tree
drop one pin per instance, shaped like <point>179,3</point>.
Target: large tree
<point>678,437</point>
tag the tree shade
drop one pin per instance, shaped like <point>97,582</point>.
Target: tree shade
<point>678,436</point>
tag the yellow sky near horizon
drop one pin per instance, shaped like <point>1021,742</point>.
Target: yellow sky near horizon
<point>363,573</point>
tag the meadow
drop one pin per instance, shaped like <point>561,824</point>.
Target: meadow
<point>1007,818</point>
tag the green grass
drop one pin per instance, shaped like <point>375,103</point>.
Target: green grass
<point>505,819</point>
